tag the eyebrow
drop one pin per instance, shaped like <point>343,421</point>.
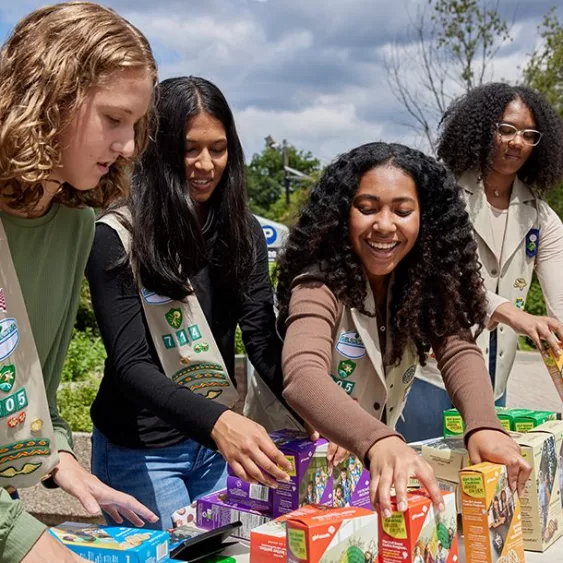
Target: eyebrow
<point>216,142</point>
<point>404,199</point>
<point>504,121</point>
<point>118,108</point>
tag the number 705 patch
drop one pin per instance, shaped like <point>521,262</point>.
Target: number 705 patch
<point>348,386</point>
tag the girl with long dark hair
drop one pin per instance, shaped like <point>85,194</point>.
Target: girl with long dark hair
<point>367,283</point>
<point>172,273</point>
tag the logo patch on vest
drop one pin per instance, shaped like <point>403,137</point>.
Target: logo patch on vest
<point>152,298</point>
<point>520,284</point>
<point>520,303</point>
<point>7,378</point>
<point>346,368</point>
<point>408,376</point>
<point>9,337</point>
<point>350,345</point>
<point>532,242</point>
<point>174,318</point>
<point>13,403</point>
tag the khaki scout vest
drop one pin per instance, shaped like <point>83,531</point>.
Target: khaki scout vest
<point>509,275</point>
<point>357,367</point>
<point>27,441</point>
<point>183,340</point>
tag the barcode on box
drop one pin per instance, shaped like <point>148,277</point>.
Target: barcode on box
<point>259,492</point>
<point>450,487</point>
<point>161,551</point>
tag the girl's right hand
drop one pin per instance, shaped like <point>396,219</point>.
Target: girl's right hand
<point>391,461</point>
<point>249,450</point>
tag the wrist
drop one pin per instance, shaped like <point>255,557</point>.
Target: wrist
<point>506,314</point>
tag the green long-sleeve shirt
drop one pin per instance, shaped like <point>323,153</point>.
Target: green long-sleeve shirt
<point>50,255</point>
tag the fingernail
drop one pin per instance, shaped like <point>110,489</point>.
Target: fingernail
<point>287,479</point>
<point>441,507</point>
<point>402,506</point>
<point>387,513</point>
<point>154,519</point>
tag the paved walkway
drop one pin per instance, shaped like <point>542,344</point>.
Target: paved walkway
<point>530,385</point>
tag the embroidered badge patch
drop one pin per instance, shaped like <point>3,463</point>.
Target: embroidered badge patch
<point>408,376</point>
<point>13,403</point>
<point>346,368</point>
<point>152,298</point>
<point>27,468</point>
<point>201,347</point>
<point>168,340</point>
<point>520,284</point>
<point>25,448</point>
<point>182,337</point>
<point>520,303</point>
<point>174,318</point>
<point>195,334</point>
<point>15,420</point>
<point>199,371</point>
<point>350,345</point>
<point>9,337</point>
<point>7,378</point>
<point>348,386</point>
<point>532,242</point>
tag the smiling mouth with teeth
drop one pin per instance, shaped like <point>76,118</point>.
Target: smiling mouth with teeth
<point>382,245</point>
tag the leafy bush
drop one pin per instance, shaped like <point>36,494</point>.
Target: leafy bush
<point>535,305</point>
<point>85,357</point>
<point>75,399</point>
<point>85,317</point>
<point>239,346</point>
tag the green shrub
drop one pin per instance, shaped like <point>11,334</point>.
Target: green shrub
<point>85,317</point>
<point>75,399</point>
<point>239,346</point>
<point>535,305</point>
<point>85,357</point>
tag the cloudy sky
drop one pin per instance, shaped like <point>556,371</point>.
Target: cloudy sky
<point>310,71</point>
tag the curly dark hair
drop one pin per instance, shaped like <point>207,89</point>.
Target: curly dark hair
<point>438,289</point>
<point>467,138</point>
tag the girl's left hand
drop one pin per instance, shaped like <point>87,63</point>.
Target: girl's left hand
<point>496,447</point>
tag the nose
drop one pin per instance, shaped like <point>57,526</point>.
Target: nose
<point>518,139</point>
<point>126,145</point>
<point>384,222</point>
<point>204,161</point>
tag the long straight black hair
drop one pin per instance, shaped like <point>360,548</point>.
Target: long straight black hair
<point>167,244</point>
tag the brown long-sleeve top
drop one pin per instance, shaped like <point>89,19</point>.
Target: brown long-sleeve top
<point>313,314</point>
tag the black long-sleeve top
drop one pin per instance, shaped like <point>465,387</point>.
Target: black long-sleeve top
<point>137,406</point>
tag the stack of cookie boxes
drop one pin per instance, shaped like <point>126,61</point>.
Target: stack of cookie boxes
<point>323,534</point>
<point>312,481</point>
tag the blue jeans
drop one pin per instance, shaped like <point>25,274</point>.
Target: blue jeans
<point>423,412</point>
<point>163,479</point>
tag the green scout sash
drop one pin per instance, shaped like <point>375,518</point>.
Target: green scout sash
<point>181,335</point>
<point>27,442</point>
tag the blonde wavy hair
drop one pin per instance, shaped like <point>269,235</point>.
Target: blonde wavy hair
<point>47,66</point>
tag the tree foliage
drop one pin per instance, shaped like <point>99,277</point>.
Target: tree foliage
<point>544,71</point>
<point>265,179</point>
<point>455,42</point>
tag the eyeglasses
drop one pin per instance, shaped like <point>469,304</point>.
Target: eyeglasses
<point>508,133</point>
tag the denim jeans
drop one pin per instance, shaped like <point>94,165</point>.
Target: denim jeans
<point>422,415</point>
<point>163,479</point>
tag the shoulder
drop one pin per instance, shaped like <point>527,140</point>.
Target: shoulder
<point>78,221</point>
<point>309,295</point>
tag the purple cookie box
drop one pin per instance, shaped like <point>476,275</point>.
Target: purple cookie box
<point>309,466</point>
<point>213,512</point>
<point>356,484</point>
<point>255,497</point>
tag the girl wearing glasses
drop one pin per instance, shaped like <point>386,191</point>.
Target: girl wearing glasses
<point>505,145</point>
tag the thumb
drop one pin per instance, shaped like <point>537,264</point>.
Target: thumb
<point>313,434</point>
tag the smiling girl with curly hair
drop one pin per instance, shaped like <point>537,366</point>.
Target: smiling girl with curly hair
<point>380,266</point>
<point>505,145</point>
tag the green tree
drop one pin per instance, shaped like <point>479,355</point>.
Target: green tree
<point>265,177</point>
<point>544,71</point>
<point>452,44</point>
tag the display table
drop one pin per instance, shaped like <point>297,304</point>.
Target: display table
<point>554,554</point>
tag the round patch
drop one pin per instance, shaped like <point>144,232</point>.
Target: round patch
<point>408,376</point>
